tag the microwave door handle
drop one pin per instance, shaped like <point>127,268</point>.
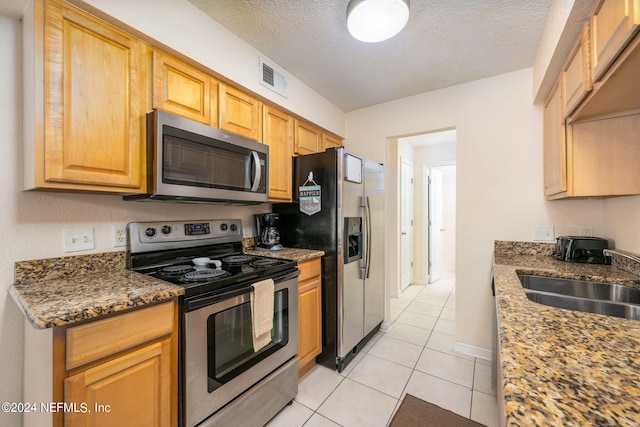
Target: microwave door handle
<point>258,171</point>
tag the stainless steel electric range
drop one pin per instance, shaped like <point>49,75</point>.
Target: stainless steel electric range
<point>223,380</point>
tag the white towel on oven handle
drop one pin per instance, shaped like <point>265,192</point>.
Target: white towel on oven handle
<point>262,312</point>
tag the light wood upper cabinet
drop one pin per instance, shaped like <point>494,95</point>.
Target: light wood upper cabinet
<point>307,138</point>
<point>309,314</point>
<point>555,147</point>
<point>330,141</point>
<point>184,90</point>
<point>278,135</point>
<point>240,113</point>
<point>93,102</point>
<point>613,23</point>
<point>576,73</point>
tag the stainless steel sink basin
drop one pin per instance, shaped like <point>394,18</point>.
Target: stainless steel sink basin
<point>591,297</point>
<point>617,309</point>
<point>583,289</point>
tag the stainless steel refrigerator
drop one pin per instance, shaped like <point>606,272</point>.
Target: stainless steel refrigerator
<point>339,208</point>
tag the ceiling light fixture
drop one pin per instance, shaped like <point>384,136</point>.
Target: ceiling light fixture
<point>376,20</point>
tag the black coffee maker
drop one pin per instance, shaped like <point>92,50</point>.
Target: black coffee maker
<point>267,232</point>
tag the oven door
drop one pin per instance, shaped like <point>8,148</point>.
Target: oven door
<point>219,360</point>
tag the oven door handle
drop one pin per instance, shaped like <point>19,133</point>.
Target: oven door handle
<point>197,303</point>
<point>206,300</point>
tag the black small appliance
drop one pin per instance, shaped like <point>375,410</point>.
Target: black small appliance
<point>581,249</point>
<point>267,232</point>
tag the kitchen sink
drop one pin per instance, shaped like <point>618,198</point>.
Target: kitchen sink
<point>617,309</point>
<point>582,289</point>
<point>591,297</point>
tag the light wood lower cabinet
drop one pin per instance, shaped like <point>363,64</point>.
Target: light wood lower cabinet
<point>278,135</point>
<point>86,83</point>
<point>309,314</point>
<point>133,389</point>
<point>120,370</point>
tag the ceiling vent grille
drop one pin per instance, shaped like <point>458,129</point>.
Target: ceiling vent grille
<point>272,78</point>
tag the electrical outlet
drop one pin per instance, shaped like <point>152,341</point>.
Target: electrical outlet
<point>543,233</point>
<point>119,236</point>
<point>78,240</point>
<point>586,230</point>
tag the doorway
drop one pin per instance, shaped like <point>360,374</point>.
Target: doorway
<point>432,157</point>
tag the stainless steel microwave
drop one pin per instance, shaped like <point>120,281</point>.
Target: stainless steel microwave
<point>192,162</point>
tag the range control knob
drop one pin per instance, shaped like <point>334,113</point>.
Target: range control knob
<point>224,226</point>
<point>150,232</point>
<point>234,227</point>
<point>166,229</point>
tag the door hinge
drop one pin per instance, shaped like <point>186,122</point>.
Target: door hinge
<point>411,264</point>
<point>429,181</point>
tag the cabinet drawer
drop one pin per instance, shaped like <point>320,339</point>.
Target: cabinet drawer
<point>92,341</point>
<point>309,270</point>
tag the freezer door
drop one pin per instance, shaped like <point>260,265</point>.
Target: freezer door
<point>352,304</point>
<point>374,245</point>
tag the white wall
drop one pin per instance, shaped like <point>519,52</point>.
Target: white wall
<point>499,178</point>
<point>32,223</point>
<point>622,223</point>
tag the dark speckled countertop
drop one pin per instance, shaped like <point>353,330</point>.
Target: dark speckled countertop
<point>561,367</point>
<point>60,291</point>
<point>294,254</point>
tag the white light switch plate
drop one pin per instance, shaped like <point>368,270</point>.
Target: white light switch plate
<point>544,233</point>
<point>78,240</point>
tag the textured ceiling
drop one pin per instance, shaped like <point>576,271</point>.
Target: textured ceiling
<point>444,43</point>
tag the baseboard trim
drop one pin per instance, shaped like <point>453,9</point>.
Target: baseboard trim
<point>386,326</point>
<point>479,352</point>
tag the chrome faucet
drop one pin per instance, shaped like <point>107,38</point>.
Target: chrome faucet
<point>611,252</point>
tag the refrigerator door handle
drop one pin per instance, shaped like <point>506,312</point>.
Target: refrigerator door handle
<point>367,211</point>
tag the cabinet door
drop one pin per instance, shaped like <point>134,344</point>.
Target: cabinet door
<point>184,90</point>
<point>95,103</point>
<point>239,112</point>
<point>309,321</point>
<point>612,25</point>
<point>131,390</point>
<point>555,148</point>
<point>576,73</point>
<point>278,135</point>
<point>329,141</point>
<point>307,138</point>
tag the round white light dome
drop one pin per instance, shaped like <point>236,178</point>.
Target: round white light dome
<point>376,20</point>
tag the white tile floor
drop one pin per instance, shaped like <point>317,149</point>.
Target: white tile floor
<point>414,357</point>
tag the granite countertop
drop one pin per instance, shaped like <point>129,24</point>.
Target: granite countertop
<point>561,367</point>
<point>294,254</point>
<point>60,291</point>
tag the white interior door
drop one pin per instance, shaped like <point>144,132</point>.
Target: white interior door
<point>406,214</point>
<point>435,224</point>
